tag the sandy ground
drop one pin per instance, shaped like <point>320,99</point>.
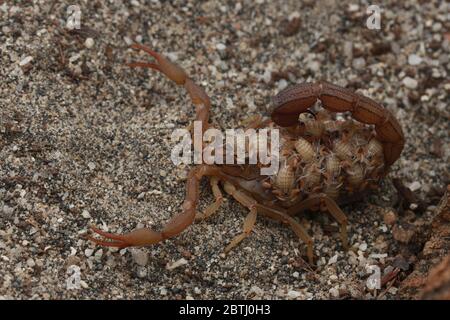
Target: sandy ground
<point>85,140</point>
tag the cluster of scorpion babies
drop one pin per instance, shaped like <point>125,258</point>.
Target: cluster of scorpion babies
<point>335,157</point>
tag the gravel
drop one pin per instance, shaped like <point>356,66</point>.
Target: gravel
<point>85,140</point>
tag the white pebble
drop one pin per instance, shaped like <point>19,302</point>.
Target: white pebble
<point>98,254</point>
<point>89,43</point>
<point>363,246</point>
<point>353,7</point>
<point>141,272</point>
<point>294,294</point>
<point>314,66</point>
<point>30,263</point>
<point>140,256</point>
<point>75,57</point>
<point>267,76</point>
<point>85,214</point>
<point>415,186</point>
<point>359,63</point>
<point>91,166</point>
<point>7,210</point>
<point>414,59</point>
<point>294,15</point>
<point>378,255</point>
<point>257,290</point>
<point>128,41</point>
<point>25,61</point>
<point>176,264</point>
<point>88,252</point>
<point>333,259</point>
<point>334,292</point>
<point>282,84</point>
<point>221,46</point>
<point>410,83</point>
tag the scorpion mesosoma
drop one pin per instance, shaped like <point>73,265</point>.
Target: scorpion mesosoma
<point>323,161</point>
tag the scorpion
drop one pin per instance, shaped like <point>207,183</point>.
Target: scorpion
<point>324,161</point>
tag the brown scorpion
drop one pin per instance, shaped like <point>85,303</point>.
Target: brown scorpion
<point>323,160</point>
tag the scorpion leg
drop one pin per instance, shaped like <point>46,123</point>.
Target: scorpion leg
<point>249,221</point>
<point>279,215</point>
<point>339,216</point>
<point>295,226</point>
<point>331,207</point>
<point>212,208</point>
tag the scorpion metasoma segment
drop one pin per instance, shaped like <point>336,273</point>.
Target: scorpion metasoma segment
<point>323,160</point>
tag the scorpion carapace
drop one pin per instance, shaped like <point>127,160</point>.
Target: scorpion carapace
<point>323,160</point>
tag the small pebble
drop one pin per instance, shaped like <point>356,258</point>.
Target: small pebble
<point>282,84</point>
<point>334,292</point>
<point>294,294</point>
<point>88,252</point>
<point>314,66</point>
<point>25,61</point>
<point>257,290</point>
<point>416,185</point>
<point>390,218</point>
<point>359,63</point>
<point>140,257</point>
<point>267,76</point>
<point>403,234</point>
<point>98,254</point>
<point>176,264</point>
<point>333,259</point>
<point>414,59</point>
<point>141,272</point>
<point>85,214</point>
<point>410,83</point>
<point>89,43</point>
<point>30,262</point>
<point>220,47</point>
